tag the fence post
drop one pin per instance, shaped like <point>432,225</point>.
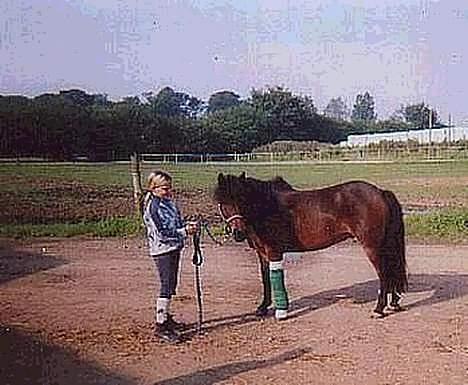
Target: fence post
<point>136,181</point>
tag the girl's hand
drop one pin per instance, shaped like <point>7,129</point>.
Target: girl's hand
<point>191,227</point>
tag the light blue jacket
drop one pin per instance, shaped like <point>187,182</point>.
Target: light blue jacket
<point>165,228</point>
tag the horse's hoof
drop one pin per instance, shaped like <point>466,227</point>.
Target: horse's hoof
<point>261,312</point>
<point>379,314</point>
<point>397,307</point>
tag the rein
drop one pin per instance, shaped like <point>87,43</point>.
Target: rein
<point>204,224</point>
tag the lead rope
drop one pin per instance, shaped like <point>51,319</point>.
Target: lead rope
<point>204,225</point>
<point>197,261</point>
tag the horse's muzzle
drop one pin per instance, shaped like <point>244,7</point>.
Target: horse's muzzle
<point>239,235</point>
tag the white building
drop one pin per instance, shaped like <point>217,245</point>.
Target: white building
<point>435,135</point>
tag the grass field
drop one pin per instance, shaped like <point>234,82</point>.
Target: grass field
<point>439,189</point>
<point>301,175</point>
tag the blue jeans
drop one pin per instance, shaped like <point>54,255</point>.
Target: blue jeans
<point>168,268</point>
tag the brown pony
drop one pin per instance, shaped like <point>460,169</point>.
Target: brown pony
<point>275,218</point>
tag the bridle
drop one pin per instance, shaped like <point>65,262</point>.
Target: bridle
<point>238,234</point>
<point>229,219</point>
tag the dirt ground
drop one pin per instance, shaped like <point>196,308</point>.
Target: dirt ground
<point>80,311</point>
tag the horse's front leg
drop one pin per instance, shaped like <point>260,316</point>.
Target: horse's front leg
<point>262,309</point>
<point>280,295</point>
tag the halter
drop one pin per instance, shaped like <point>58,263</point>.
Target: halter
<point>231,218</point>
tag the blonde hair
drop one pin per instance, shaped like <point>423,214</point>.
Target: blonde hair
<point>158,179</point>
<point>155,179</point>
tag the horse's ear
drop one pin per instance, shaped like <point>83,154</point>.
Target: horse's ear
<point>242,176</point>
<point>220,178</point>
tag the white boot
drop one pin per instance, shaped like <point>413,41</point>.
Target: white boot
<point>162,308</point>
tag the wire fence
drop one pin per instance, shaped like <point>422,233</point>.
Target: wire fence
<point>372,153</point>
<point>410,153</point>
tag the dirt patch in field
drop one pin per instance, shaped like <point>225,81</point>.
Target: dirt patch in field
<point>52,201</point>
<point>441,187</point>
<point>80,311</point>
<point>56,202</point>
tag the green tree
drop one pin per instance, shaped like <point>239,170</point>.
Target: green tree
<point>82,98</point>
<point>231,130</point>
<point>418,115</point>
<point>169,103</point>
<point>222,100</point>
<point>336,109</point>
<point>131,100</point>
<point>284,116</point>
<point>17,134</point>
<point>364,109</point>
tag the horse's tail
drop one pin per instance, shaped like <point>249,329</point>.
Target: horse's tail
<point>392,249</point>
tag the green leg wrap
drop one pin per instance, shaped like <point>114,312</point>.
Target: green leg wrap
<point>280,296</point>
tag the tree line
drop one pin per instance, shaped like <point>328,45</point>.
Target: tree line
<point>74,124</point>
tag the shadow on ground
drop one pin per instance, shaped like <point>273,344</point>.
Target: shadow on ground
<point>26,359</point>
<point>443,287</point>
<point>15,264</point>
<point>223,372</point>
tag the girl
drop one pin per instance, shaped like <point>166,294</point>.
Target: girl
<point>166,232</point>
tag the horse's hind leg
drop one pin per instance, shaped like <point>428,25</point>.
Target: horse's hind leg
<point>262,309</point>
<point>395,301</point>
<point>382,296</point>
<point>382,300</point>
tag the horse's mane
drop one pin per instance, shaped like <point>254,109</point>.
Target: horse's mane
<point>258,201</point>
<point>257,197</point>
<point>278,183</point>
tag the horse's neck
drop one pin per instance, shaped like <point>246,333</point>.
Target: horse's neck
<point>286,199</point>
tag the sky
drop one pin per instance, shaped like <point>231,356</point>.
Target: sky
<point>401,51</point>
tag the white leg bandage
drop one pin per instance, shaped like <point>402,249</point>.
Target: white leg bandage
<point>280,295</point>
<point>276,265</point>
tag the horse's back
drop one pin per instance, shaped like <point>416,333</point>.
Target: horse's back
<point>336,196</point>
<point>330,214</point>
<point>353,186</point>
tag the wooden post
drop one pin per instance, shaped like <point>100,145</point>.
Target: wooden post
<point>430,134</point>
<point>136,180</point>
<point>450,129</point>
